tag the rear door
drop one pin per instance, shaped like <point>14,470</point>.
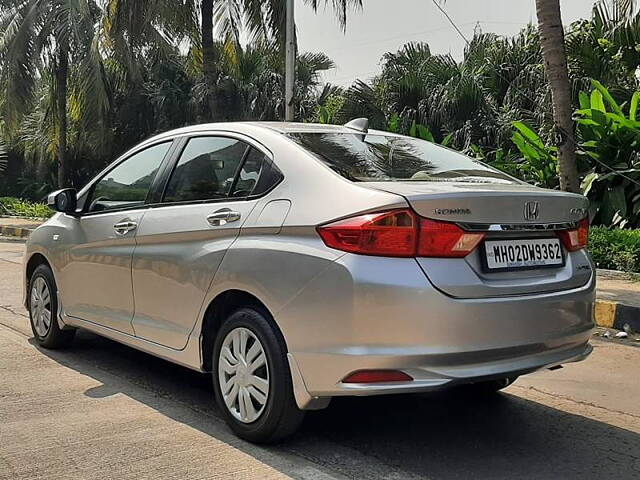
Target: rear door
<point>96,279</point>
<point>181,241</point>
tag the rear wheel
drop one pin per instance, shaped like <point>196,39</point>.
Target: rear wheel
<point>43,309</point>
<point>251,378</point>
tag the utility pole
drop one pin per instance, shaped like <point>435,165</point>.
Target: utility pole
<point>290,63</point>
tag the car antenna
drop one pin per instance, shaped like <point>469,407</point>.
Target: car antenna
<point>359,124</point>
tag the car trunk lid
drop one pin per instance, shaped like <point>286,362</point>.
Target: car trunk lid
<point>487,203</point>
<point>504,212</point>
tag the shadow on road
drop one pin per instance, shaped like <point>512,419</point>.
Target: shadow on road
<point>439,436</point>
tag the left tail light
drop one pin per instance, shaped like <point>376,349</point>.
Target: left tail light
<point>392,233</point>
<point>399,233</point>
<point>575,238</point>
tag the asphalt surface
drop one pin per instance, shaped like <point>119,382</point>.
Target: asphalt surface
<point>102,410</point>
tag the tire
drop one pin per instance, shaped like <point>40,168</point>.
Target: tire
<point>491,386</point>
<point>276,417</point>
<point>42,301</point>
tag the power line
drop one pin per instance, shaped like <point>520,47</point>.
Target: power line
<point>450,21</point>
<point>569,135</point>
<point>395,37</point>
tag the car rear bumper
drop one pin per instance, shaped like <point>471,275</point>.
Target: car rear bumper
<point>379,313</point>
<point>426,376</point>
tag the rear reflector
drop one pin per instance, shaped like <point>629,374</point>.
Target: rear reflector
<point>399,233</point>
<point>576,238</point>
<point>377,376</point>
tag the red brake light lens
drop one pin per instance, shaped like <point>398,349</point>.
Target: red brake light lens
<point>444,239</point>
<point>377,376</point>
<point>576,238</point>
<point>399,233</point>
<point>392,233</point>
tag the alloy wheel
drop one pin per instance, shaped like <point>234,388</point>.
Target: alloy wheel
<point>243,374</point>
<point>41,306</point>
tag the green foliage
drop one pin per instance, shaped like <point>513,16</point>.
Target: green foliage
<point>539,164</point>
<point>328,109</point>
<point>418,130</point>
<point>615,249</point>
<point>23,208</point>
<point>610,157</point>
<point>137,68</point>
<point>470,102</point>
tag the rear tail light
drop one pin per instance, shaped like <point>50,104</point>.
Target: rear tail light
<point>377,376</point>
<point>576,238</point>
<point>392,233</point>
<point>399,233</point>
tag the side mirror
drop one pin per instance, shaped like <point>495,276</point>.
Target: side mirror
<point>64,200</point>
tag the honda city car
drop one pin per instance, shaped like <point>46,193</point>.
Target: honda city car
<point>300,262</point>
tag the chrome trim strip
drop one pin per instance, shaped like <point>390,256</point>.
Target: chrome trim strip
<point>516,227</point>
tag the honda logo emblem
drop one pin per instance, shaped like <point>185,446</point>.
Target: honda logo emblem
<point>531,211</point>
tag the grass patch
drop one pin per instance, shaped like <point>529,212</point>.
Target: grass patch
<point>24,208</point>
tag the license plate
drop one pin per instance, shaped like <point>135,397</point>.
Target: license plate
<point>523,254</point>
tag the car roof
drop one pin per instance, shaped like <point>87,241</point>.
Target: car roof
<point>296,127</point>
<point>279,127</point>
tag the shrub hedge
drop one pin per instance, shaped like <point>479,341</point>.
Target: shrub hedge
<point>23,208</point>
<point>615,249</point>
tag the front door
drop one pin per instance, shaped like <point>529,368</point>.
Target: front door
<point>181,243</point>
<point>96,278</point>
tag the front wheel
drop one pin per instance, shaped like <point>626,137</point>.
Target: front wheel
<point>43,309</point>
<point>251,378</point>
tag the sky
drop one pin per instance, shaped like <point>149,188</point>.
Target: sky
<point>385,25</point>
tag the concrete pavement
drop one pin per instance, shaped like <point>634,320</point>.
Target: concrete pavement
<point>102,410</point>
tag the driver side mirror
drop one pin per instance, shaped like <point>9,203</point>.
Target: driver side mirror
<point>64,200</point>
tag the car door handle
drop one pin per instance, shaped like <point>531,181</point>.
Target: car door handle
<point>124,227</point>
<point>222,217</point>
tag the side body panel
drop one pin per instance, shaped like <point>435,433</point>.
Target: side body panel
<point>176,257</point>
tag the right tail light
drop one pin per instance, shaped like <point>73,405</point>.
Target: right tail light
<point>575,238</point>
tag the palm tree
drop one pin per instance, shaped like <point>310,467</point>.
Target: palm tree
<point>250,81</point>
<point>41,40</point>
<point>604,48</point>
<point>473,101</point>
<point>555,61</point>
<point>264,21</point>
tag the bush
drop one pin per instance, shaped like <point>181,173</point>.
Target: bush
<point>615,249</point>
<point>23,208</point>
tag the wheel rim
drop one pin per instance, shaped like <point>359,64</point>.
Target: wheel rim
<point>40,306</point>
<point>243,375</point>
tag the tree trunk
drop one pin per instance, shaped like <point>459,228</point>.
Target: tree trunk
<point>61,73</point>
<point>555,62</point>
<point>209,57</point>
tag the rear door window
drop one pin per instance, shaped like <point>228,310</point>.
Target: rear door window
<point>257,175</point>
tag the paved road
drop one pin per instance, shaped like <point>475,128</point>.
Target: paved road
<point>102,410</point>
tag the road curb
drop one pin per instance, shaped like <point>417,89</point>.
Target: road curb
<point>615,315</point>
<point>11,231</point>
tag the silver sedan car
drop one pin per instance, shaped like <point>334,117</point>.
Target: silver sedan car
<point>300,262</point>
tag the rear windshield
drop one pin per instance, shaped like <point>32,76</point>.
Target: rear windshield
<point>377,158</point>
